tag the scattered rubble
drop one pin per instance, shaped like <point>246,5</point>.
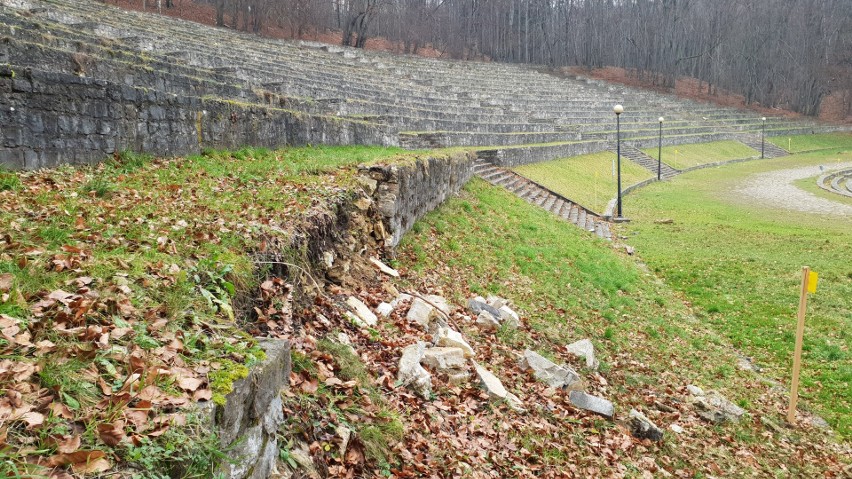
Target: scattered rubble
<point>411,373</point>
<point>479,304</point>
<point>591,403</point>
<point>384,268</point>
<point>448,337</point>
<point>443,359</point>
<point>421,313</point>
<point>385,309</point>
<point>584,349</point>
<point>714,407</point>
<point>363,315</point>
<point>487,321</point>
<point>642,427</point>
<point>495,389</point>
<point>554,375</point>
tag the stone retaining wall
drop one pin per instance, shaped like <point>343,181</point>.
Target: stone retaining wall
<point>405,192</point>
<point>52,118</point>
<point>247,424</point>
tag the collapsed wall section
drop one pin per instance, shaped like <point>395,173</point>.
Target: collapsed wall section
<point>405,192</point>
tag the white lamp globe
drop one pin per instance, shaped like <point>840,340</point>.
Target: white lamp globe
<point>618,109</point>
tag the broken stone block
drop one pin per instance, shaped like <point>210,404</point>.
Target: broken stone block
<point>442,359</point>
<point>591,403</point>
<point>495,389</point>
<point>384,268</point>
<point>362,312</point>
<point>385,309</point>
<point>496,302</point>
<point>550,373</point>
<point>487,322</point>
<point>642,427</point>
<point>584,349</point>
<point>421,313</point>
<point>411,373</point>
<point>509,317</point>
<point>448,337</point>
<point>717,409</point>
<point>478,304</point>
<point>439,302</point>
<point>695,390</point>
<point>400,299</point>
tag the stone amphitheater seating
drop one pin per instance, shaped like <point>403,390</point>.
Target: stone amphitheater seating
<point>80,80</point>
<point>513,113</point>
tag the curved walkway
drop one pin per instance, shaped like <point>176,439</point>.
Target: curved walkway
<point>776,188</point>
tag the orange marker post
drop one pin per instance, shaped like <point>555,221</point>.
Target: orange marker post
<point>809,282</point>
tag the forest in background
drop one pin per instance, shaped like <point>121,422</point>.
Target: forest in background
<point>788,54</point>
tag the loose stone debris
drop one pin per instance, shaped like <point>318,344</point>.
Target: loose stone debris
<point>591,403</point>
<point>550,373</point>
<point>411,373</point>
<point>584,349</point>
<point>642,427</point>
<point>384,268</point>
<point>421,313</point>
<point>364,316</point>
<point>495,389</point>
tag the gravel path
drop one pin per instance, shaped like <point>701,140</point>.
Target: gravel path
<point>776,189</point>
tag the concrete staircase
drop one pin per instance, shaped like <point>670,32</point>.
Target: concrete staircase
<point>639,157</point>
<point>770,150</point>
<point>538,195</point>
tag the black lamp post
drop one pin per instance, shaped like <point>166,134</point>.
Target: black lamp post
<point>660,152</point>
<point>762,136</point>
<point>618,109</point>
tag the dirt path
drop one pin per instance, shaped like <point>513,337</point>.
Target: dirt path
<point>776,189</point>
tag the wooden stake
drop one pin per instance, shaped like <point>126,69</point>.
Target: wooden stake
<point>797,355</point>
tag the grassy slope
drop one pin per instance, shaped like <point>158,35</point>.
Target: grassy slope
<point>156,250</point>
<point>585,179</point>
<point>571,286</point>
<point>740,265</point>
<point>685,156</point>
<point>800,143</point>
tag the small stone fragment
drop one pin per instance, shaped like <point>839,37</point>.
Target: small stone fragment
<point>478,304</point>
<point>771,425</point>
<point>421,313</point>
<point>642,427</point>
<point>550,373</point>
<point>487,322</point>
<point>676,429</point>
<point>495,389</point>
<point>584,349</point>
<point>630,250</point>
<point>385,309</point>
<point>362,311</point>
<point>458,376</point>
<point>442,359</point>
<point>411,373</point>
<point>496,302</point>
<point>439,302</point>
<point>509,317</point>
<point>592,403</point>
<point>384,268</point>
<point>345,435</point>
<point>695,390</point>
<point>328,259</point>
<point>448,337</point>
<point>403,297</point>
<point>729,409</point>
<point>665,221</point>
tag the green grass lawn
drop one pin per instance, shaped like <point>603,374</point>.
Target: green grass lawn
<point>685,156</point>
<point>740,266</point>
<point>801,143</point>
<point>585,179</point>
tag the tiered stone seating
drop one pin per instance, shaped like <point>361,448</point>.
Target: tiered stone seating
<point>511,114</point>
